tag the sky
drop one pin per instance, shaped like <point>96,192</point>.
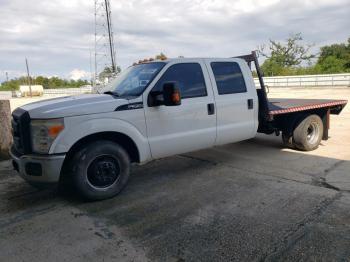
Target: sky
<point>57,36</point>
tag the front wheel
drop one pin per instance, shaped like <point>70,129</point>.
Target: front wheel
<point>101,170</point>
<point>308,134</point>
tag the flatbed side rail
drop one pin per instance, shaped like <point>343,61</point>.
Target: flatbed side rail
<point>263,100</point>
<point>335,105</point>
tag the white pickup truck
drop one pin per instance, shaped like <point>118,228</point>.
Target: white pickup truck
<point>153,110</point>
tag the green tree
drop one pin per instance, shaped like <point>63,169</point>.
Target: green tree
<point>9,86</point>
<point>46,83</point>
<point>108,73</point>
<point>53,82</point>
<point>288,54</point>
<point>271,68</point>
<point>284,58</point>
<point>334,58</point>
<point>161,56</point>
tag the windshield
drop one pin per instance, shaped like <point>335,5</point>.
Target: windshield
<point>134,80</point>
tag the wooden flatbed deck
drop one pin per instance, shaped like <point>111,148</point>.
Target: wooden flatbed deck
<point>279,106</point>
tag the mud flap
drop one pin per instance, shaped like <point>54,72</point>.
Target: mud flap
<point>326,123</point>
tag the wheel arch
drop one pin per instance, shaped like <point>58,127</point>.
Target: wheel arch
<point>123,140</point>
<point>288,122</point>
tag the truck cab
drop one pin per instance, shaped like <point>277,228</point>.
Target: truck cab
<point>152,110</point>
<point>211,90</point>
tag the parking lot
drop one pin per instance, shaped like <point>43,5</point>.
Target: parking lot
<point>250,201</point>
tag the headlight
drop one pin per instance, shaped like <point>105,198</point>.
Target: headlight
<point>44,132</point>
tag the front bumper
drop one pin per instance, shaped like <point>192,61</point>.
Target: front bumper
<point>38,169</point>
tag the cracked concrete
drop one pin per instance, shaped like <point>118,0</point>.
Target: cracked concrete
<point>250,201</point>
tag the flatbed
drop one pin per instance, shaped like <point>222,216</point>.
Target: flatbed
<point>299,120</point>
<point>278,106</point>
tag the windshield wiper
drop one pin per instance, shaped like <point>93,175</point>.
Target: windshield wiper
<point>111,93</point>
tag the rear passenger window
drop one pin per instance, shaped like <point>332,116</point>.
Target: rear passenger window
<point>189,77</point>
<point>229,78</point>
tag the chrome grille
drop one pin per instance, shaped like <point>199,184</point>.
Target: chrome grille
<point>17,143</point>
<point>21,131</point>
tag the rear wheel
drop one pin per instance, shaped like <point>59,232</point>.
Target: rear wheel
<point>101,170</point>
<point>308,134</point>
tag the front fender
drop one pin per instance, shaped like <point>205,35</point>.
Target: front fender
<point>77,128</point>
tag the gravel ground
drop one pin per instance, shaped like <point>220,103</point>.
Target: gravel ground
<point>250,201</point>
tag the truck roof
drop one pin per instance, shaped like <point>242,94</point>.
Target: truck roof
<point>187,59</point>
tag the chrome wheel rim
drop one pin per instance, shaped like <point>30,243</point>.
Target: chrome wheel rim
<point>313,132</point>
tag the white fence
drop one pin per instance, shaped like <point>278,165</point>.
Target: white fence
<point>51,92</point>
<point>68,91</point>
<point>5,94</point>
<point>334,80</point>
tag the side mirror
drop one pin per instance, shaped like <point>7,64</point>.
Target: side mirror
<point>171,94</point>
<point>155,98</point>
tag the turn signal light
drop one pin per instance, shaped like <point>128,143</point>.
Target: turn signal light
<point>176,97</point>
<point>53,131</point>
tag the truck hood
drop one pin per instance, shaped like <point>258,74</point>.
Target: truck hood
<point>73,106</point>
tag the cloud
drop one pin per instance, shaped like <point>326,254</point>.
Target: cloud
<point>77,74</point>
<point>58,36</point>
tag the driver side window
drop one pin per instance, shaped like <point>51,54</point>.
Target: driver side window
<point>189,78</point>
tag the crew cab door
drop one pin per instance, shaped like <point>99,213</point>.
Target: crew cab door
<point>236,100</point>
<point>187,127</point>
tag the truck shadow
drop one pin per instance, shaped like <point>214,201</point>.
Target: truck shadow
<point>263,156</point>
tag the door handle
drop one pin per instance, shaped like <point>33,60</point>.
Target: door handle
<point>250,104</point>
<point>211,109</point>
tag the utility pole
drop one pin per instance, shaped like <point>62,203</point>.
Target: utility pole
<point>91,75</point>
<point>29,82</point>
<point>110,34</point>
<point>7,76</point>
<point>104,42</point>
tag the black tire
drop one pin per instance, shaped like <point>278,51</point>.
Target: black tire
<point>287,140</point>
<point>308,134</point>
<point>100,170</point>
